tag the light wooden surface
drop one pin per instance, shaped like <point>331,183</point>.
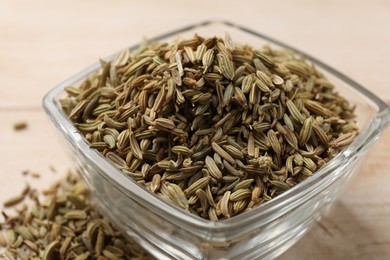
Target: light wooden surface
<point>43,42</point>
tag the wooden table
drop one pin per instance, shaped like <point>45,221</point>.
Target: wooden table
<point>43,42</point>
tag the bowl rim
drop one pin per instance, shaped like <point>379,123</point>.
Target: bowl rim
<point>188,221</point>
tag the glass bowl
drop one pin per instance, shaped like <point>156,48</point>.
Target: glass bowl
<point>264,232</point>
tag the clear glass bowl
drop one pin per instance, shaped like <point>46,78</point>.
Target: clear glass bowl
<point>264,232</point>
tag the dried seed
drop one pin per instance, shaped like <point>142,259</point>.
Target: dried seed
<point>156,182</point>
<point>256,194</point>
<point>316,108</point>
<point>99,242</point>
<point>190,54</point>
<point>179,64</point>
<point>177,195</point>
<point>223,120</point>
<point>306,130</point>
<point>164,123</point>
<point>3,241</point>
<point>222,48</point>
<point>121,58</point>
<point>259,66</point>
<point>228,94</point>
<point>343,140</point>
<point>296,67</point>
<point>245,184</point>
<point>228,187</point>
<point>76,214</point>
<point>24,232</point>
<point>50,251</point>
<point>265,59</point>
<point>134,146</point>
<point>83,256</point>
<point>298,159</point>
<point>171,90</point>
<point>213,168</point>
<point>200,51</point>
<point>294,111</point>
<point>223,153</point>
<point>309,164</point>
<point>72,91</point>
<point>18,242</point>
<point>240,194</point>
<point>262,86</point>
<point>110,141</point>
<point>202,196</point>
<point>14,200</point>
<point>21,125</point>
<point>224,206</point>
<point>247,83</point>
<point>233,151</point>
<point>240,97</point>
<point>207,59</point>
<point>78,109</point>
<point>279,184</point>
<point>199,184</point>
<point>10,236</point>
<point>277,80</point>
<point>116,160</point>
<point>65,245</point>
<point>114,124</point>
<point>31,245</point>
<point>22,254</point>
<point>290,137</point>
<point>239,206</point>
<point>212,214</point>
<point>136,66</point>
<point>123,140</point>
<point>274,141</point>
<point>227,40</point>
<point>261,127</point>
<point>226,65</point>
<point>264,78</point>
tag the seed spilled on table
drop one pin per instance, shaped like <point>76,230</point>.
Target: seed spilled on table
<point>63,225</point>
<point>21,125</point>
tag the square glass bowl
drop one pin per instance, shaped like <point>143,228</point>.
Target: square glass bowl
<point>264,232</point>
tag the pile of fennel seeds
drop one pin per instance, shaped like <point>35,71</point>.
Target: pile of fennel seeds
<point>214,127</point>
<point>61,223</point>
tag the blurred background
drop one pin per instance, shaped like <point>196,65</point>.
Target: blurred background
<point>44,42</point>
